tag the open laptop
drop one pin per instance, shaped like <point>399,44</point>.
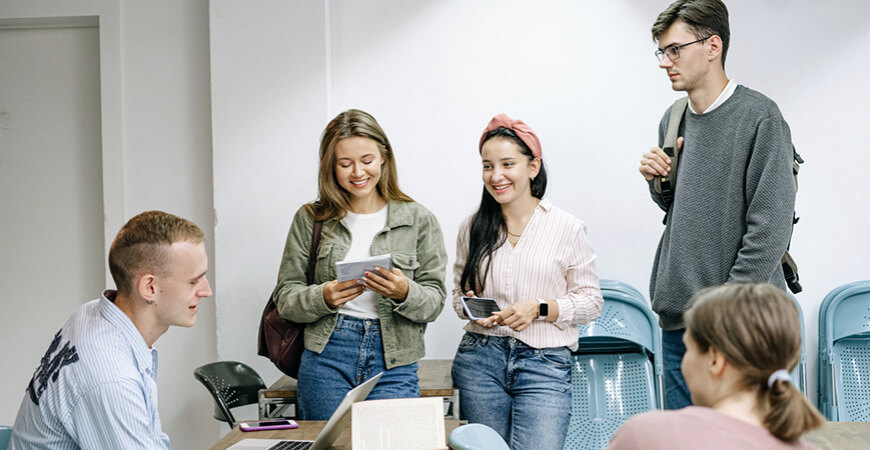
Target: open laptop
<point>337,422</point>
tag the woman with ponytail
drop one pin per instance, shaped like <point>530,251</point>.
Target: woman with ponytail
<point>742,341</point>
<point>513,369</point>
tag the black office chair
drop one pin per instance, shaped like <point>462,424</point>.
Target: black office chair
<point>231,384</point>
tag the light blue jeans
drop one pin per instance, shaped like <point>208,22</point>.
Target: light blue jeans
<point>523,393</point>
<point>354,353</point>
<point>676,392</point>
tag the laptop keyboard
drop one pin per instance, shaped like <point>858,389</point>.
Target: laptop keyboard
<point>291,445</point>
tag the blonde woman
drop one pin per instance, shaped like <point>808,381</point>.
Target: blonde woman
<point>742,340</point>
<point>358,328</point>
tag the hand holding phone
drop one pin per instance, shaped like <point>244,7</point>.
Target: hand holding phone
<point>260,425</point>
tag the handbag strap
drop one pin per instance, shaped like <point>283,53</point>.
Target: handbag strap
<point>312,254</point>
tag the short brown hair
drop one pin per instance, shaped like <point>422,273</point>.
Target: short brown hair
<point>333,201</point>
<point>704,17</point>
<point>757,328</point>
<point>143,243</point>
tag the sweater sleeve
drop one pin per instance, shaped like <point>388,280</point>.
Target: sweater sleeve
<point>296,300</point>
<point>770,197</point>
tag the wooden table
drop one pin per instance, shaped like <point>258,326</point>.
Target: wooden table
<point>841,436</point>
<point>832,436</point>
<point>435,381</point>
<point>308,430</point>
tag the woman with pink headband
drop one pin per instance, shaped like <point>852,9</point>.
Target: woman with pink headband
<point>513,368</point>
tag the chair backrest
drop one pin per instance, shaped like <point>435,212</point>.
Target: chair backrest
<point>476,436</point>
<point>231,384</point>
<point>606,391</point>
<point>844,353</point>
<point>616,285</point>
<point>5,435</point>
<point>617,369</point>
<point>626,322</point>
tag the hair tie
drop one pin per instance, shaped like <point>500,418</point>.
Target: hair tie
<point>523,131</point>
<point>781,375</point>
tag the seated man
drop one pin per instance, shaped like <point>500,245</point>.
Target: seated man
<point>96,386</point>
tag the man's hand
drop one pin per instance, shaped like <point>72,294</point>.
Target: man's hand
<point>393,284</point>
<point>336,294</point>
<point>655,162</point>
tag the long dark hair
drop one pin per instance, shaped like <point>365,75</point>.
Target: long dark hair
<point>488,230</point>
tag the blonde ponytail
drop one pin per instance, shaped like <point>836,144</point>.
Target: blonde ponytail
<point>757,328</point>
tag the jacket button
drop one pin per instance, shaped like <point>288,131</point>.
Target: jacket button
<point>392,360</point>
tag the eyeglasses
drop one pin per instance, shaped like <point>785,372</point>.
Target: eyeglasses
<point>673,51</point>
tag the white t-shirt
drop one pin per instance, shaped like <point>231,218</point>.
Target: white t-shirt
<point>363,228</point>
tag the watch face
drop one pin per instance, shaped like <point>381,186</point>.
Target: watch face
<point>543,309</point>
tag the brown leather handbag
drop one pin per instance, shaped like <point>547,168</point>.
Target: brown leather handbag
<point>279,339</point>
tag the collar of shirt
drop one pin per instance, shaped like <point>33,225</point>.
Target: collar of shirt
<point>146,358</point>
<point>724,95</point>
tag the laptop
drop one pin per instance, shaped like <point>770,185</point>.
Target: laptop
<point>337,422</point>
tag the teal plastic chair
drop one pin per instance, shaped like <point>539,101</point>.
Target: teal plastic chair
<point>617,369</point>
<point>476,436</point>
<point>230,384</point>
<point>844,353</point>
<point>616,285</point>
<point>5,435</point>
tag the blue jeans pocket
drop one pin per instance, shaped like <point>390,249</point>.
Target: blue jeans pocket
<point>470,342</point>
<point>557,357</point>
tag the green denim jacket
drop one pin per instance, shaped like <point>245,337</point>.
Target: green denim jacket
<point>413,237</point>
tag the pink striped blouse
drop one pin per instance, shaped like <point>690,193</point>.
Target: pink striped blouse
<point>552,260</point>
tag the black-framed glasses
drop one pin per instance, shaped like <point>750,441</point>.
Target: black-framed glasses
<point>673,51</point>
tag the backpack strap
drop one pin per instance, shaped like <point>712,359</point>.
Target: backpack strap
<point>664,185</point>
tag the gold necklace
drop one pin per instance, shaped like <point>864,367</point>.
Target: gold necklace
<point>514,235</point>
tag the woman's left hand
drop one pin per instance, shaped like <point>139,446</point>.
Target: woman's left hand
<point>389,284</point>
<point>518,316</point>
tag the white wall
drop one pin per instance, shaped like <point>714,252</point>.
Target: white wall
<point>156,146</point>
<point>582,74</point>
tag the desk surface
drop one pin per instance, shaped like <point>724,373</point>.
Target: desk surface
<point>434,374</point>
<point>308,430</point>
<point>841,435</point>
<point>833,436</point>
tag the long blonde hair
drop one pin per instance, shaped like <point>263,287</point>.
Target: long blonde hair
<point>757,328</point>
<point>333,201</point>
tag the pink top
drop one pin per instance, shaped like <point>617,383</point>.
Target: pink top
<point>695,427</point>
<point>552,261</point>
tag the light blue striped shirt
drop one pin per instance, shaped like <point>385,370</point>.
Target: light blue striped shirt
<point>95,388</point>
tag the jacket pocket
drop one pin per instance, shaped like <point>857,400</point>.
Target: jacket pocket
<point>324,269</point>
<point>407,263</point>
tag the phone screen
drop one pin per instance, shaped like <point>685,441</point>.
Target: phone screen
<point>266,423</point>
<point>479,308</point>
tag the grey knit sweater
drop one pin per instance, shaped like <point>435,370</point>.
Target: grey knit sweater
<point>731,218</point>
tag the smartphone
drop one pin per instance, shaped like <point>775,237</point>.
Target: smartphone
<point>477,308</point>
<point>260,425</point>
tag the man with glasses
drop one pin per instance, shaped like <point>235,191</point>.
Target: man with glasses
<point>729,218</point>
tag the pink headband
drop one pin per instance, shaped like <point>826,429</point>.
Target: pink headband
<point>523,131</point>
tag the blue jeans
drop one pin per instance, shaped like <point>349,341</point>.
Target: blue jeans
<point>676,392</point>
<point>523,393</point>
<point>354,353</point>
